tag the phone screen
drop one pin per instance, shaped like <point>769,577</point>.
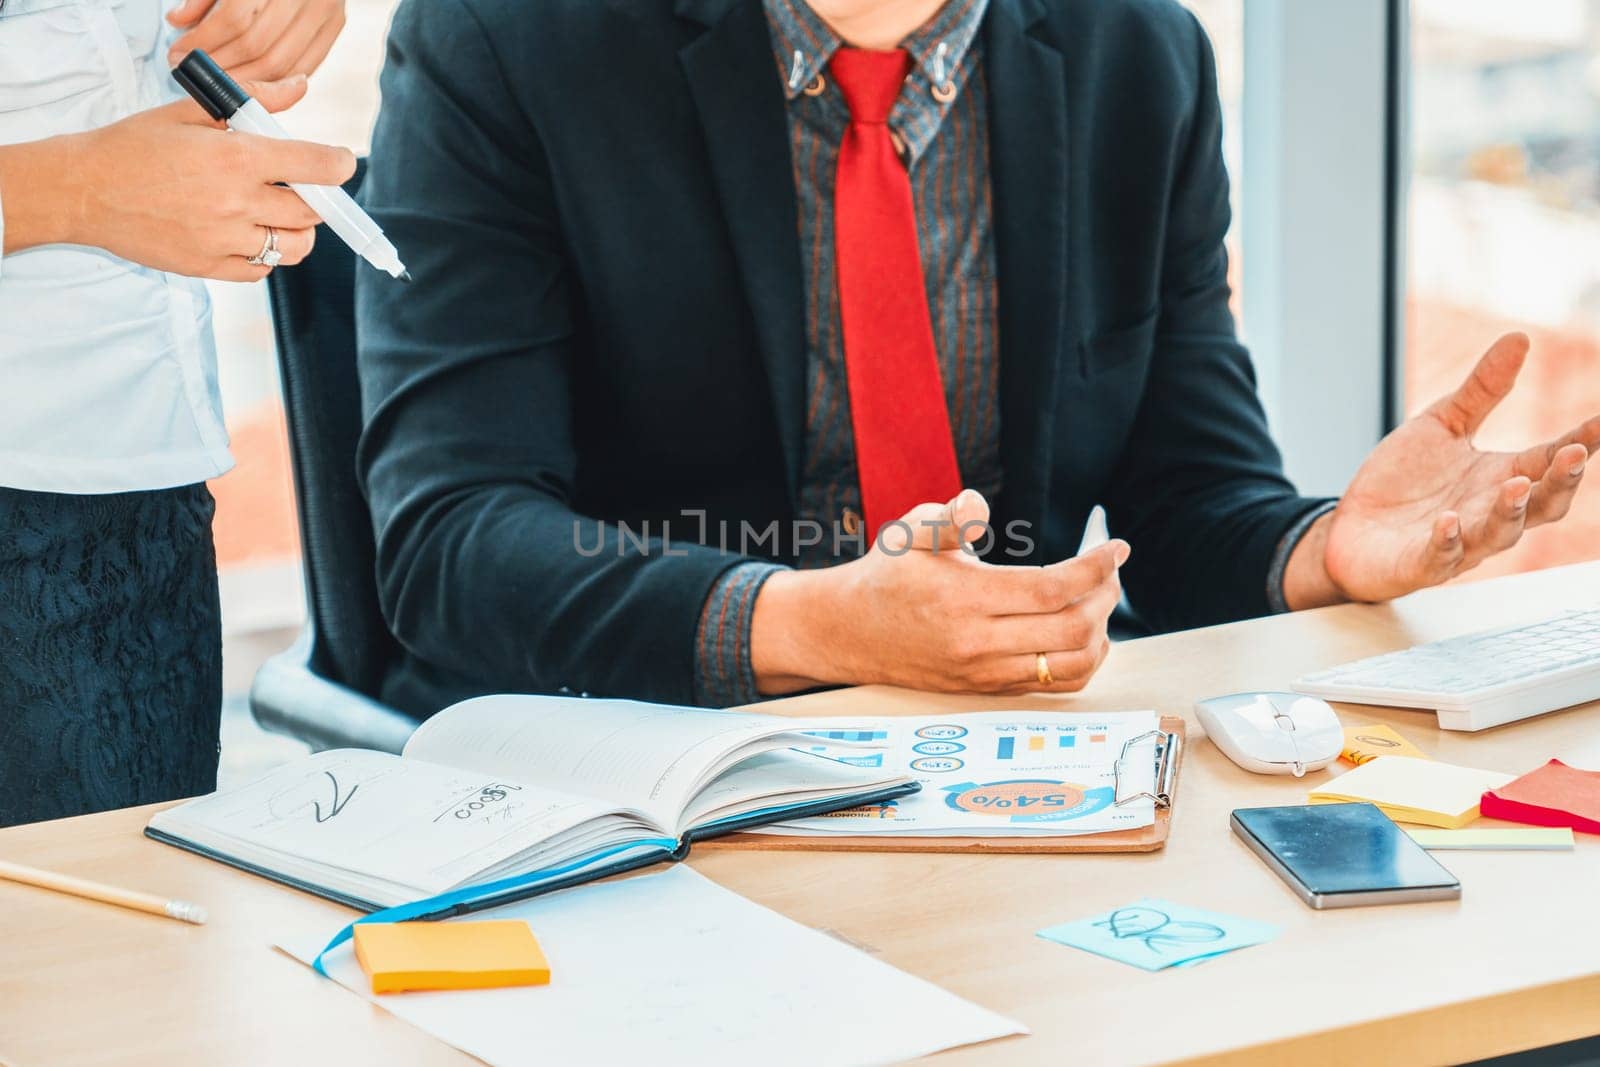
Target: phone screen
<point>1342,848</point>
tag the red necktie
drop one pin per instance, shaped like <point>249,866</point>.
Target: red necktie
<point>905,454</point>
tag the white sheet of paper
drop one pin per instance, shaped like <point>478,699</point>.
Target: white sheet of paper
<point>672,968</point>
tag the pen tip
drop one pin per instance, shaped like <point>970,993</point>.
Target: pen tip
<point>405,276</point>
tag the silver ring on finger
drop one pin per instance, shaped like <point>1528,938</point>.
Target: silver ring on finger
<point>269,256</point>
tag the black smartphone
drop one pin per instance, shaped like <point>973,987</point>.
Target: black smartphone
<point>1343,855</point>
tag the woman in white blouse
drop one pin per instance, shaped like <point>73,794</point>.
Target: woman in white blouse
<point>115,198</point>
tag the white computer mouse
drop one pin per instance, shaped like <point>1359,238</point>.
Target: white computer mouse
<point>1273,733</point>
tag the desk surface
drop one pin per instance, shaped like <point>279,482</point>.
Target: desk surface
<point>1514,964</point>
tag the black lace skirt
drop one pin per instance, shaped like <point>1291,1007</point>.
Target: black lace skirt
<point>110,651</point>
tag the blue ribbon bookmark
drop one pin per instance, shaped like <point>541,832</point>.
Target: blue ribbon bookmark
<point>433,906</point>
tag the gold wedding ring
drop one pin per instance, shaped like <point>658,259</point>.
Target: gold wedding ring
<point>1042,664</point>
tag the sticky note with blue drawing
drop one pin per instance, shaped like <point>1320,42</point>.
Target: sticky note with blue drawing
<point>1157,934</point>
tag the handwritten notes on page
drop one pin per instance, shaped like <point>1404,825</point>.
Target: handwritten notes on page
<point>395,829</point>
<point>671,968</point>
<point>1157,934</point>
<point>653,757</point>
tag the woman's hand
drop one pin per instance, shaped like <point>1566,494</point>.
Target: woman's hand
<point>930,615</point>
<point>263,40</point>
<point>171,190</point>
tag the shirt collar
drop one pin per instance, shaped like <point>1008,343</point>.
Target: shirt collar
<point>954,26</point>
<point>804,44</point>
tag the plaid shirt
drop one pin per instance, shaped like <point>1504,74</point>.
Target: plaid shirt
<point>946,148</point>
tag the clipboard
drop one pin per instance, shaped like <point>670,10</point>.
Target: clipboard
<point>1171,740</point>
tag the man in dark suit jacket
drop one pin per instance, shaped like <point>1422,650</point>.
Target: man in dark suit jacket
<point>679,337</point>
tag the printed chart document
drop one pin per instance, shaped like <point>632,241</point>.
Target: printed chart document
<point>671,968</point>
<point>513,786</point>
<point>994,774</point>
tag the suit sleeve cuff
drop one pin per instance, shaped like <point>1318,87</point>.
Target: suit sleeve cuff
<point>1286,546</point>
<point>723,675</point>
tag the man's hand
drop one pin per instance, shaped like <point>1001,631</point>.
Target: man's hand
<point>264,40</point>
<point>1427,505</point>
<point>168,188</point>
<point>930,615</point>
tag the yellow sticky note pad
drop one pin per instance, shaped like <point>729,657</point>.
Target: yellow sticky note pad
<point>1362,743</point>
<point>1521,838</point>
<point>1413,790</point>
<point>450,955</point>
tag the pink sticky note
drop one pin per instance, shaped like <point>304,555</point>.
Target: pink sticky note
<point>1553,795</point>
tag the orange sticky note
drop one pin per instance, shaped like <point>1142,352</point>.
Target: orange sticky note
<point>1363,743</point>
<point>450,955</point>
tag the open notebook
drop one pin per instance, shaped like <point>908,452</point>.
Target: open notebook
<point>543,791</point>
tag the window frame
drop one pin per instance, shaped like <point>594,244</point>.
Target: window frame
<point>1322,203</point>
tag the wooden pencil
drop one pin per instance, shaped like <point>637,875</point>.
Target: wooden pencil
<point>109,894</point>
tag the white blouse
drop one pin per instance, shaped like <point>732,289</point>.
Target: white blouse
<point>108,378</point>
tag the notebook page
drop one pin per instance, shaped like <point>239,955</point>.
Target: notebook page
<point>779,777</point>
<point>652,757</point>
<point>354,818</point>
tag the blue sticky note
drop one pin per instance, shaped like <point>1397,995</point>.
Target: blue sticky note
<point>1156,934</point>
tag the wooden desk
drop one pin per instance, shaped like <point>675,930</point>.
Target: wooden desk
<point>1514,964</point>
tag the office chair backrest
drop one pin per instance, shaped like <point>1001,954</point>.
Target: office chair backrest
<point>313,321</point>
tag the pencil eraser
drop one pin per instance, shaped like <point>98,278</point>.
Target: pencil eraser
<point>450,955</point>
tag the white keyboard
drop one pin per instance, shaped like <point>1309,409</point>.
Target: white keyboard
<point>1479,680</point>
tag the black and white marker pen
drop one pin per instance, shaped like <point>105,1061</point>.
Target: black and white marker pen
<point>223,99</point>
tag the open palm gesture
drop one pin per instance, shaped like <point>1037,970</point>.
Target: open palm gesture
<point>1427,505</point>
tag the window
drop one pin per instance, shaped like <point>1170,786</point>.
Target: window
<point>1224,24</point>
<point>1504,224</point>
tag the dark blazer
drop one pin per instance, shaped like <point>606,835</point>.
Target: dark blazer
<point>596,200</point>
